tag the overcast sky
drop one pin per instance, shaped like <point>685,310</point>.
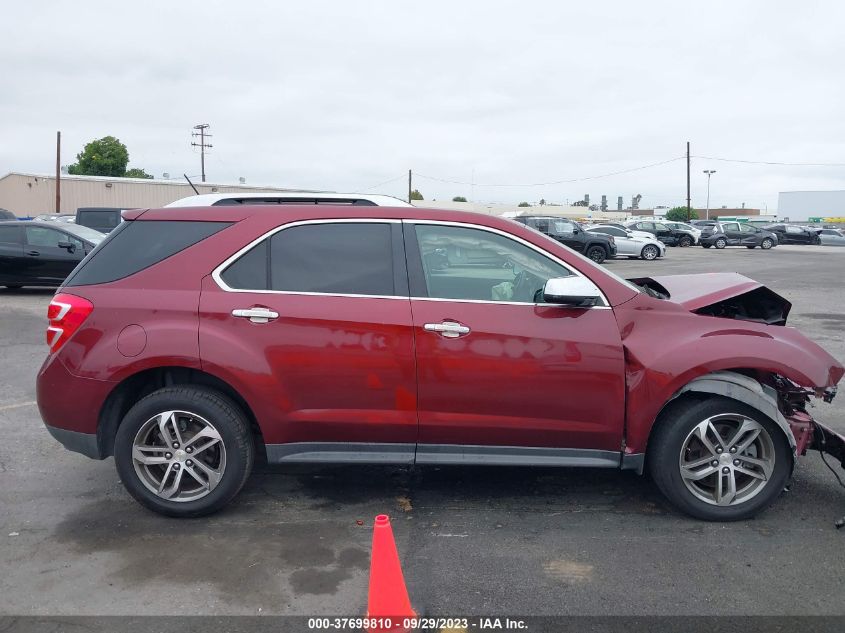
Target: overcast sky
<point>347,95</point>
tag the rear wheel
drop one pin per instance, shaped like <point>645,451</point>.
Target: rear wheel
<point>706,245</point>
<point>766,244</point>
<point>720,243</point>
<point>597,254</point>
<point>649,252</point>
<point>184,451</point>
<point>718,459</point>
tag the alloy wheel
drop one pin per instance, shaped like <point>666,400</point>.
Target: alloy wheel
<point>649,252</point>
<point>179,456</point>
<point>727,459</point>
<point>721,243</point>
<point>766,244</point>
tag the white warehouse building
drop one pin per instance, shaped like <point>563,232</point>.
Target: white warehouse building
<point>803,205</point>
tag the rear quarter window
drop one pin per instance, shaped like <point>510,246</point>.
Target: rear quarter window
<point>134,246</point>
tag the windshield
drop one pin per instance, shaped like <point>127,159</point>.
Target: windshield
<point>95,237</point>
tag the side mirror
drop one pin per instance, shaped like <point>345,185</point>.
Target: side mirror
<point>573,291</point>
<point>69,246</point>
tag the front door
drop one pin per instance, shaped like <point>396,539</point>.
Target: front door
<point>502,376</point>
<point>47,262</point>
<point>316,321</point>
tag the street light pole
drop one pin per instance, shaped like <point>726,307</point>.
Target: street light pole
<point>709,173</point>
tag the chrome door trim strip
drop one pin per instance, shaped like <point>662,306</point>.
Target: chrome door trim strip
<point>340,453</point>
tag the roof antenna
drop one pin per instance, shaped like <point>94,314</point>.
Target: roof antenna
<point>192,184</point>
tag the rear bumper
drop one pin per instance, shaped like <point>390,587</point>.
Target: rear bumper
<point>70,406</point>
<point>84,443</point>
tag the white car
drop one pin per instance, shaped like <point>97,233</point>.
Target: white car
<point>630,245</point>
<point>288,197</point>
<point>831,237</point>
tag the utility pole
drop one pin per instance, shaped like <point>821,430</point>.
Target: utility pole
<point>689,206</point>
<point>202,127</point>
<point>58,172</point>
<point>409,186</point>
<point>709,173</point>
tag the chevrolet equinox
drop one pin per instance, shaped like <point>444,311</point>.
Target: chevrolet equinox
<point>192,338</point>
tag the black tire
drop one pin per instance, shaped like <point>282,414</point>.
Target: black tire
<point>649,252</point>
<point>720,243</point>
<point>766,244</point>
<point>706,245</point>
<point>751,247</point>
<point>228,420</point>
<point>676,422</point>
<point>685,242</point>
<point>597,253</point>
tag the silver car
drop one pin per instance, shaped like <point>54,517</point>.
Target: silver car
<point>832,237</point>
<point>630,245</point>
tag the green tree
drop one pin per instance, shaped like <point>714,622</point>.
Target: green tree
<point>137,172</point>
<point>416,195</point>
<point>681,214</point>
<point>106,156</point>
<point>459,199</point>
<point>542,202</point>
<point>523,204</point>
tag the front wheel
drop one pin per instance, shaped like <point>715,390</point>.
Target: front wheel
<point>684,242</point>
<point>706,245</point>
<point>649,252</point>
<point>720,243</point>
<point>718,459</point>
<point>766,244</point>
<point>750,247</point>
<point>184,451</point>
<point>597,254</point>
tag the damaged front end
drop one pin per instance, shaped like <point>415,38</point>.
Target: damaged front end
<point>808,433</point>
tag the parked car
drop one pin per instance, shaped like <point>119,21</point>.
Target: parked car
<point>596,246</point>
<point>102,219</point>
<point>194,338</point>
<point>683,226</point>
<point>42,253</point>
<point>619,225</point>
<point>627,245</point>
<point>722,234</point>
<point>7,215</point>
<point>667,235</point>
<point>65,218</point>
<point>289,197</point>
<point>831,237</point>
<point>791,234</point>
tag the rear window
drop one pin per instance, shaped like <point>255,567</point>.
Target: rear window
<point>134,246</point>
<point>98,218</point>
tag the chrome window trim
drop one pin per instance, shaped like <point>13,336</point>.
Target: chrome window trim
<point>518,239</point>
<point>216,274</point>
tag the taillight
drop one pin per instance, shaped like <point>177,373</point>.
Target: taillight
<point>65,314</point>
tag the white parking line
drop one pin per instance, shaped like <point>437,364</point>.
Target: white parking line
<point>6,407</point>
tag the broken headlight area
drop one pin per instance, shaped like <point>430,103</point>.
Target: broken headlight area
<point>760,305</point>
<point>792,402</point>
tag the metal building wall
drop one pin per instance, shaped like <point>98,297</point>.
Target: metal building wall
<point>30,194</point>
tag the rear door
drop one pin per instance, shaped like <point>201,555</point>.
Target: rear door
<point>47,262</point>
<point>12,269</point>
<point>315,320</point>
<point>504,377</point>
<point>731,230</point>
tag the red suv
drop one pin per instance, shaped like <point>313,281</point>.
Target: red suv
<point>192,338</point>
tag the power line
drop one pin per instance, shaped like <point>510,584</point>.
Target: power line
<point>554,182</point>
<point>386,182</point>
<point>765,162</point>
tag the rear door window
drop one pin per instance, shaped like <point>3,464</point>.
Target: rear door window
<point>348,258</point>
<point>9,234</point>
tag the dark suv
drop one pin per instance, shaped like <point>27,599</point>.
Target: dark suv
<point>193,339</point>
<point>664,233</point>
<point>722,234</point>
<point>596,246</point>
<point>791,234</point>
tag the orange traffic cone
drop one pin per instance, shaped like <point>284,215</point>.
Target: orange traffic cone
<point>388,599</point>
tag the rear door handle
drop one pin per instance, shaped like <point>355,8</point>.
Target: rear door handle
<point>447,329</point>
<point>33,253</point>
<point>256,315</point>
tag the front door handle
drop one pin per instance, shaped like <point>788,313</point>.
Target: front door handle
<point>447,329</point>
<point>256,315</point>
<point>33,253</point>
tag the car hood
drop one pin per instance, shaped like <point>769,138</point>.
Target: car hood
<point>725,295</point>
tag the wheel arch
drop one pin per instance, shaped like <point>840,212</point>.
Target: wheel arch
<point>734,386</point>
<point>134,387</point>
